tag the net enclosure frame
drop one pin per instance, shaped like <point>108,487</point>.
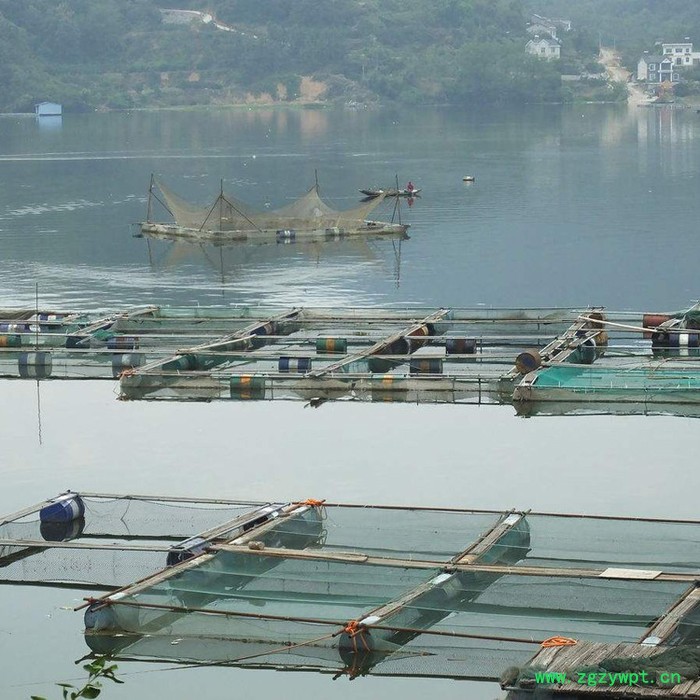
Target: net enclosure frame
<point>356,589</point>
<point>227,218</point>
<point>541,361</point>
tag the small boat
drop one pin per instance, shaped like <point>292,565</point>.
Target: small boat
<point>468,178</point>
<point>391,193</point>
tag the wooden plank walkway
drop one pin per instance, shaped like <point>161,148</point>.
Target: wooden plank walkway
<point>589,654</point>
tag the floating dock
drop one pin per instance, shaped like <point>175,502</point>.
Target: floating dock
<point>356,589</point>
<point>636,671</point>
<point>547,361</point>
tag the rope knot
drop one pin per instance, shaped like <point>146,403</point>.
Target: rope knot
<point>352,628</point>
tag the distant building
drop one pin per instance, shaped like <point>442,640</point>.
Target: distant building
<point>48,109</point>
<point>544,47</point>
<point>551,25</point>
<point>541,29</point>
<point>657,69</point>
<point>681,53</point>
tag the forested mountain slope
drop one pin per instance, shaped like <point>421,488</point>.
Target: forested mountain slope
<point>91,54</point>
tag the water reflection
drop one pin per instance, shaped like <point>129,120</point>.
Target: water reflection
<point>50,122</point>
<point>231,263</point>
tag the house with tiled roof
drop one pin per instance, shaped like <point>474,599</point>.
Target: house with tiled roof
<point>656,69</point>
<point>544,47</point>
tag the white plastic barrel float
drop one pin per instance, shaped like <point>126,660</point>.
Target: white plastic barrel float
<point>125,362</point>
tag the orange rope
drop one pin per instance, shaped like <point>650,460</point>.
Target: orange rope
<point>313,502</point>
<point>558,642</point>
<point>352,628</point>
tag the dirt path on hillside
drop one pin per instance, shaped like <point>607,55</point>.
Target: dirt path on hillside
<point>611,60</point>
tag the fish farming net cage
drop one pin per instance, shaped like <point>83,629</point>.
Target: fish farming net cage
<point>665,378</point>
<point>229,214</point>
<point>469,356</point>
<point>115,540</point>
<point>355,589</point>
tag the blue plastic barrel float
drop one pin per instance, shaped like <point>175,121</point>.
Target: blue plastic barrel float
<point>286,235</point>
<point>64,509</point>
<point>247,387</point>
<point>62,532</point>
<point>125,361</point>
<point>49,322</point>
<point>35,365</point>
<point>331,345</point>
<point>14,328</point>
<point>262,331</point>
<point>123,342</point>
<point>299,365</point>
<point>675,343</point>
<point>10,341</point>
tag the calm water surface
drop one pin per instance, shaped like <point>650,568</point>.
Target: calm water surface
<point>571,206</point>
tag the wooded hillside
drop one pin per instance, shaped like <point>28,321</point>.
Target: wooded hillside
<point>92,54</point>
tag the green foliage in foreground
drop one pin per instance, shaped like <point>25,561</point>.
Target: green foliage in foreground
<point>99,668</point>
<point>107,54</point>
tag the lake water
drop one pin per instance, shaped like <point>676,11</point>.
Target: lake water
<point>571,206</point>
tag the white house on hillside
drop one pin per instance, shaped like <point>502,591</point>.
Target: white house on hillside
<point>681,53</point>
<point>544,47</point>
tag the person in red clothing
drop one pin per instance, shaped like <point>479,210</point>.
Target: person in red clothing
<point>410,186</point>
